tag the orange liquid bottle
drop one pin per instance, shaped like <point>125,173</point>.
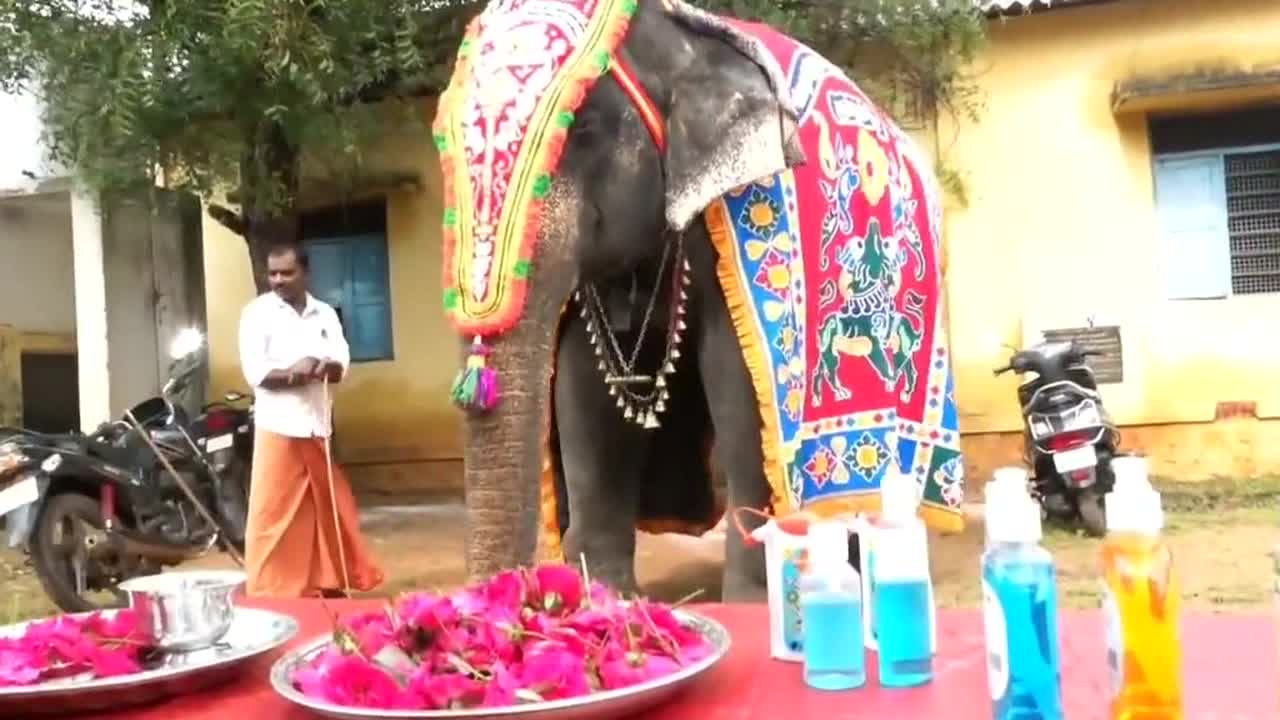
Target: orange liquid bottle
<point>1141,601</point>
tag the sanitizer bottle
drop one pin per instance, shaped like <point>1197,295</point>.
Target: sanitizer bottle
<point>902,607</point>
<point>1020,608</point>
<point>1141,600</point>
<point>831,608</point>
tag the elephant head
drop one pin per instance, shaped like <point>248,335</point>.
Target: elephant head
<point>700,118</point>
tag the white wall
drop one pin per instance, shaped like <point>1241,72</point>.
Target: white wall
<point>37,275</point>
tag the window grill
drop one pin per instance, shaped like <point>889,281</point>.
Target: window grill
<point>1253,220</point>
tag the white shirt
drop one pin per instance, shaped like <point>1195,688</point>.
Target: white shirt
<point>274,336</point>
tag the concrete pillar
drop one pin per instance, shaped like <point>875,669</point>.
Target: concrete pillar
<point>92,346</point>
<point>138,279</point>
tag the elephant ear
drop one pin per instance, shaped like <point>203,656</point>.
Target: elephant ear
<point>731,120</point>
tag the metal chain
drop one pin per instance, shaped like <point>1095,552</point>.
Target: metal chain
<point>602,319</point>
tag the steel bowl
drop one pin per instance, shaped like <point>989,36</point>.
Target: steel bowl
<point>184,611</point>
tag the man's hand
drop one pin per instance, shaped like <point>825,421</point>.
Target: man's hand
<point>306,367</point>
<point>328,369</point>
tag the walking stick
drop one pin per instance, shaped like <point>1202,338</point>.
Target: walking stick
<point>333,496</point>
<point>168,466</point>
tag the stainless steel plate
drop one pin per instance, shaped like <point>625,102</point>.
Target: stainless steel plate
<point>599,706</point>
<point>253,632</point>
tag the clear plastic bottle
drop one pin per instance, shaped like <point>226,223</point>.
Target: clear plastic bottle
<point>831,611</point>
<point>1141,600</point>
<point>1020,609</point>
<point>902,606</point>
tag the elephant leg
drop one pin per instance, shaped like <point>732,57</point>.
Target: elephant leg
<point>735,416</point>
<point>602,455</point>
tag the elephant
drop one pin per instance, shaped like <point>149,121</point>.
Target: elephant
<point>622,276</point>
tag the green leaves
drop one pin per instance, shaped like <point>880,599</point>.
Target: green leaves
<point>222,94</point>
<point>199,86</point>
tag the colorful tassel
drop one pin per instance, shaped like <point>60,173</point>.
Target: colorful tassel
<point>476,387</point>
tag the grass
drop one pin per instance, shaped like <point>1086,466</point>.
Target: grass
<point>1222,533</point>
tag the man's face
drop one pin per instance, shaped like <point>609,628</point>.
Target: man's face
<point>286,276</point>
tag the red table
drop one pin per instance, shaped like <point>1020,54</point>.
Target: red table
<point>1230,667</point>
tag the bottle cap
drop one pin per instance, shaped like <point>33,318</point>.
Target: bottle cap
<point>1012,516</point>
<point>828,543</point>
<point>899,496</point>
<point>1133,505</point>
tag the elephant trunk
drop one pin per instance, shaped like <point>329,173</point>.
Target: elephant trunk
<point>503,449</point>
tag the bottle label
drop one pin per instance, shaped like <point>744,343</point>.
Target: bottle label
<point>1115,640</point>
<point>792,625</point>
<point>997,643</point>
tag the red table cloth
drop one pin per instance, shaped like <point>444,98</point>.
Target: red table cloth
<point>1229,667</point>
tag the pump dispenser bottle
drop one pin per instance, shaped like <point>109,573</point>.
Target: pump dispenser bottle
<point>1141,600</point>
<point>902,609</point>
<point>831,611</point>
<point>1020,613</point>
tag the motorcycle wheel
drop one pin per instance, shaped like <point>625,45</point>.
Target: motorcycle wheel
<point>233,503</point>
<point>1093,515</point>
<point>62,540</point>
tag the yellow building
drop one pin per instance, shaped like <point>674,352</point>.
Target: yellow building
<point>1086,107</point>
<point>1066,222</point>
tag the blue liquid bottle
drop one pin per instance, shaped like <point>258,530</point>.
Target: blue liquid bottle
<point>902,602</point>
<point>831,611</point>
<point>1020,609</point>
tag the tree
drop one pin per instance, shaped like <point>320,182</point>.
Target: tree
<point>914,57</point>
<point>226,94</point>
<point>221,95</point>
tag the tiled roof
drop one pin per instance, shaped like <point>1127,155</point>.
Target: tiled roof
<point>1014,7</point>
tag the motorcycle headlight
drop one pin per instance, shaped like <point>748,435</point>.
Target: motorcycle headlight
<point>51,464</point>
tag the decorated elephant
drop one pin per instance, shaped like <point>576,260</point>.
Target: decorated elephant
<point>670,233</point>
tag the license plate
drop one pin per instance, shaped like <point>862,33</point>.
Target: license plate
<point>219,442</point>
<point>1081,457</point>
<point>22,493</point>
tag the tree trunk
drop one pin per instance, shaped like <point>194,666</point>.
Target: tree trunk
<point>269,193</point>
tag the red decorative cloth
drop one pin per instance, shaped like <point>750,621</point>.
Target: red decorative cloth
<point>1230,671</point>
<point>832,272</point>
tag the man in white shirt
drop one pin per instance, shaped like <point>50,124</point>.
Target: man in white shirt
<point>303,537</point>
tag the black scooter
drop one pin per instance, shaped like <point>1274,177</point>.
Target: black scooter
<point>94,510</point>
<point>1069,440</point>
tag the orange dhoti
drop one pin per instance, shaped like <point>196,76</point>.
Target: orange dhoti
<point>291,545</point>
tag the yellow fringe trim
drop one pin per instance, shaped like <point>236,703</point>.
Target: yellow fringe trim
<point>727,248</point>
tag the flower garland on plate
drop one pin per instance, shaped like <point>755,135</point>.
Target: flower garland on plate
<point>74,648</point>
<point>524,636</point>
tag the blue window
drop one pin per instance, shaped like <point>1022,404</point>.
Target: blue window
<point>1217,200</point>
<point>349,270</point>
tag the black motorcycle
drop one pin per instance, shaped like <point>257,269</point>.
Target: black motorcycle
<point>93,510</point>
<point>1069,438</point>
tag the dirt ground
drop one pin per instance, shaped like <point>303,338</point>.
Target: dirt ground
<point>1223,555</point>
